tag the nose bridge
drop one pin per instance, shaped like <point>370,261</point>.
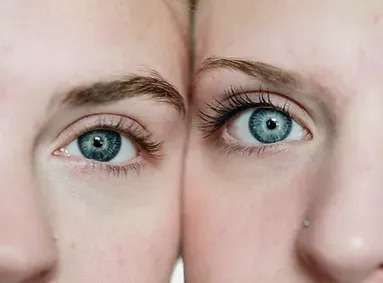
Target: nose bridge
<point>344,238</point>
<point>27,249</point>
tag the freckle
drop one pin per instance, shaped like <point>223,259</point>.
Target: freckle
<point>377,19</point>
<point>6,49</point>
<point>73,245</point>
<point>121,262</point>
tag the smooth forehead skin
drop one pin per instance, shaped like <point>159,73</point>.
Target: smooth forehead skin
<point>244,213</point>
<point>64,221</point>
<point>313,36</point>
<point>98,33</point>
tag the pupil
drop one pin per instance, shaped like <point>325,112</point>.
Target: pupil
<point>98,142</point>
<point>100,145</point>
<point>271,124</point>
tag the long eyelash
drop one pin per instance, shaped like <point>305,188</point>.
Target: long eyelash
<point>235,101</point>
<point>116,171</point>
<point>246,150</point>
<point>113,170</point>
<point>148,148</point>
<point>141,138</point>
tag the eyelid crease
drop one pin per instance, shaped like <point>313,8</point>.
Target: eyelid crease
<point>126,126</point>
<point>306,89</point>
<point>119,117</point>
<point>236,100</point>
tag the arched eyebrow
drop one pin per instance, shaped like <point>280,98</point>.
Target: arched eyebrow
<point>294,84</point>
<point>256,69</point>
<point>105,92</point>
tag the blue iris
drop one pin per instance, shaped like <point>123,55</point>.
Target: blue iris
<point>100,145</point>
<point>269,125</point>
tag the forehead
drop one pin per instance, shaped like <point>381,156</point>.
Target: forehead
<point>71,39</point>
<point>343,38</point>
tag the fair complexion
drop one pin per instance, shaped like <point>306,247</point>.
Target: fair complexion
<point>246,201</point>
<point>69,68</point>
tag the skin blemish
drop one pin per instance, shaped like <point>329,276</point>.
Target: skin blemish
<point>121,259</point>
<point>6,49</point>
<point>377,19</point>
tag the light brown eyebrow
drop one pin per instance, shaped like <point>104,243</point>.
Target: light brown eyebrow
<point>132,86</point>
<point>259,70</point>
<point>299,87</point>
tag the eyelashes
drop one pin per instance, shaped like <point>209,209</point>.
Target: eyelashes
<point>246,121</point>
<point>253,121</point>
<point>111,143</point>
<point>235,101</point>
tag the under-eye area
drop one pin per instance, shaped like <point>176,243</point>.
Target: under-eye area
<point>108,142</point>
<point>256,121</point>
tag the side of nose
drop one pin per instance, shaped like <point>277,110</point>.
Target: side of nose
<point>344,241</point>
<point>27,248</point>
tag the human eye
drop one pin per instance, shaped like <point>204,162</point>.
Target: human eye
<point>113,143</point>
<point>254,122</point>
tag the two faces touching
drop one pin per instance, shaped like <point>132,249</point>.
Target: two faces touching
<point>260,164</point>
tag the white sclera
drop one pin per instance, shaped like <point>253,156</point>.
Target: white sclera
<point>239,129</point>
<point>127,152</point>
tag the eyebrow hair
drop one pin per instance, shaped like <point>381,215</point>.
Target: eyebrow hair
<point>259,70</point>
<point>129,87</point>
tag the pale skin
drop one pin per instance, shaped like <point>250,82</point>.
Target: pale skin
<point>65,218</point>
<point>309,210</point>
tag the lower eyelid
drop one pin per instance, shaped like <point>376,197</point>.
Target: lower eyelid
<point>229,144</point>
<point>81,166</point>
<point>245,116</point>
<point>233,147</point>
<point>128,129</point>
<point>211,122</point>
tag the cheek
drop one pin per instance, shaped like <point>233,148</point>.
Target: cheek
<point>107,261</point>
<point>116,261</point>
<point>233,224</point>
<point>110,233</point>
<point>118,249</point>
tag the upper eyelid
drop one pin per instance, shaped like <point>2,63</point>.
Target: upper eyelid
<point>267,91</point>
<point>291,108</point>
<point>262,73</point>
<point>314,92</point>
<point>234,97</point>
<point>93,121</point>
<point>234,91</point>
<point>99,116</point>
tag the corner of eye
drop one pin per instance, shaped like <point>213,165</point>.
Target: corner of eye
<point>61,152</point>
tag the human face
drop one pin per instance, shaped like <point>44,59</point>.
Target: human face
<point>92,98</point>
<point>274,197</point>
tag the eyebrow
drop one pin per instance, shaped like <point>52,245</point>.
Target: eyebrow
<point>256,69</point>
<point>274,76</point>
<point>129,87</point>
